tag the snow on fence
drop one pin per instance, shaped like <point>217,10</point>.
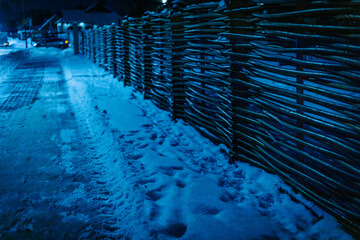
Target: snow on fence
<point>276,81</point>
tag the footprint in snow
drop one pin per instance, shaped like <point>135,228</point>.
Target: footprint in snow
<point>170,171</point>
<point>142,146</point>
<point>162,140</point>
<point>266,201</point>
<point>206,210</point>
<point>174,143</point>
<point>154,195</point>
<point>226,197</point>
<point>145,181</point>
<point>153,136</point>
<point>176,229</point>
<point>135,156</point>
<point>154,212</point>
<point>180,184</point>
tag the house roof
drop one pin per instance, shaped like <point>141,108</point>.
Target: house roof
<point>92,17</point>
<point>98,7</point>
<point>73,16</point>
<point>48,21</point>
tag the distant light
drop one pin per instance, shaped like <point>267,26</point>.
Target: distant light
<point>164,1</point>
<point>81,24</point>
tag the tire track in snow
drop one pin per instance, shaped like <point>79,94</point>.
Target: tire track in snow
<point>114,164</point>
<point>24,84</point>
<point>94,137</point>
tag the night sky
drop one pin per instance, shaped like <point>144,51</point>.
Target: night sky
<point>11,13</point>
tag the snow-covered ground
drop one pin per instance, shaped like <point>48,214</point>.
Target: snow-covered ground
<point>150,177</point>
<point>15,45</point>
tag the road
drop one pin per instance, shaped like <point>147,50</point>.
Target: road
<point>48,190</point>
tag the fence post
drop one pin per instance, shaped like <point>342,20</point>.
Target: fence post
<point>299,80</point>
<point>105,49</point>
<point>85,43</point>
<point>299,90</point>
<point>76,38</point>
<point>237,26</point>
<point>178,83</point>
<point>113,65</point>
<point>97,45</point>
<point>94,44</point>
<point>147,35</point>
<point>126,39</point>
<point>82,43</point>
<point>119,50</point>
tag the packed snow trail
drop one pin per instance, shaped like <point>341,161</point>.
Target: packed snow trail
<point>82,157</point>
<point>48,190</point>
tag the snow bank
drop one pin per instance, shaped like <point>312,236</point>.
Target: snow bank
<point>14,46</point>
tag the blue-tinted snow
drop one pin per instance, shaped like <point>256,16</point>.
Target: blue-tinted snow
<point>163,180</point>
<point>168,181</point>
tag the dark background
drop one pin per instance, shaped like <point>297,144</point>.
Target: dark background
<point>11,13</point>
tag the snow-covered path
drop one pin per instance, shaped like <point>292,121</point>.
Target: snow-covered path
<point>82,157</point>
<point>48,190</point>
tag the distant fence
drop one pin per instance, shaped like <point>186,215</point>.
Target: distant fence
<point>278,83</point>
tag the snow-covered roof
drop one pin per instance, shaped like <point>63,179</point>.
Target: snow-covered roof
<point>47,22</point>
<point>98,14</point>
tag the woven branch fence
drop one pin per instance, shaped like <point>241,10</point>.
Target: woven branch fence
<point>277,81</point>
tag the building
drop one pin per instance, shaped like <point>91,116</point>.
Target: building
<point>98,14</point>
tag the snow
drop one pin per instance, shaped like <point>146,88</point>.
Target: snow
<point>14,45</point>
<point>164,180</point>
<point>186,182</point>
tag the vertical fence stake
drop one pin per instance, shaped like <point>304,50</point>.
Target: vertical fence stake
<point>236,72</point>
<point>178,84</point>
<point>94,44</point>
<point>147,58</point>
<point>113,49</point>
<point>126,44</point>
<point>299,90</point>
<point>76,38</point>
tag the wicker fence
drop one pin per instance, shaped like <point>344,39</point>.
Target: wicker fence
<point>278,83</point>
